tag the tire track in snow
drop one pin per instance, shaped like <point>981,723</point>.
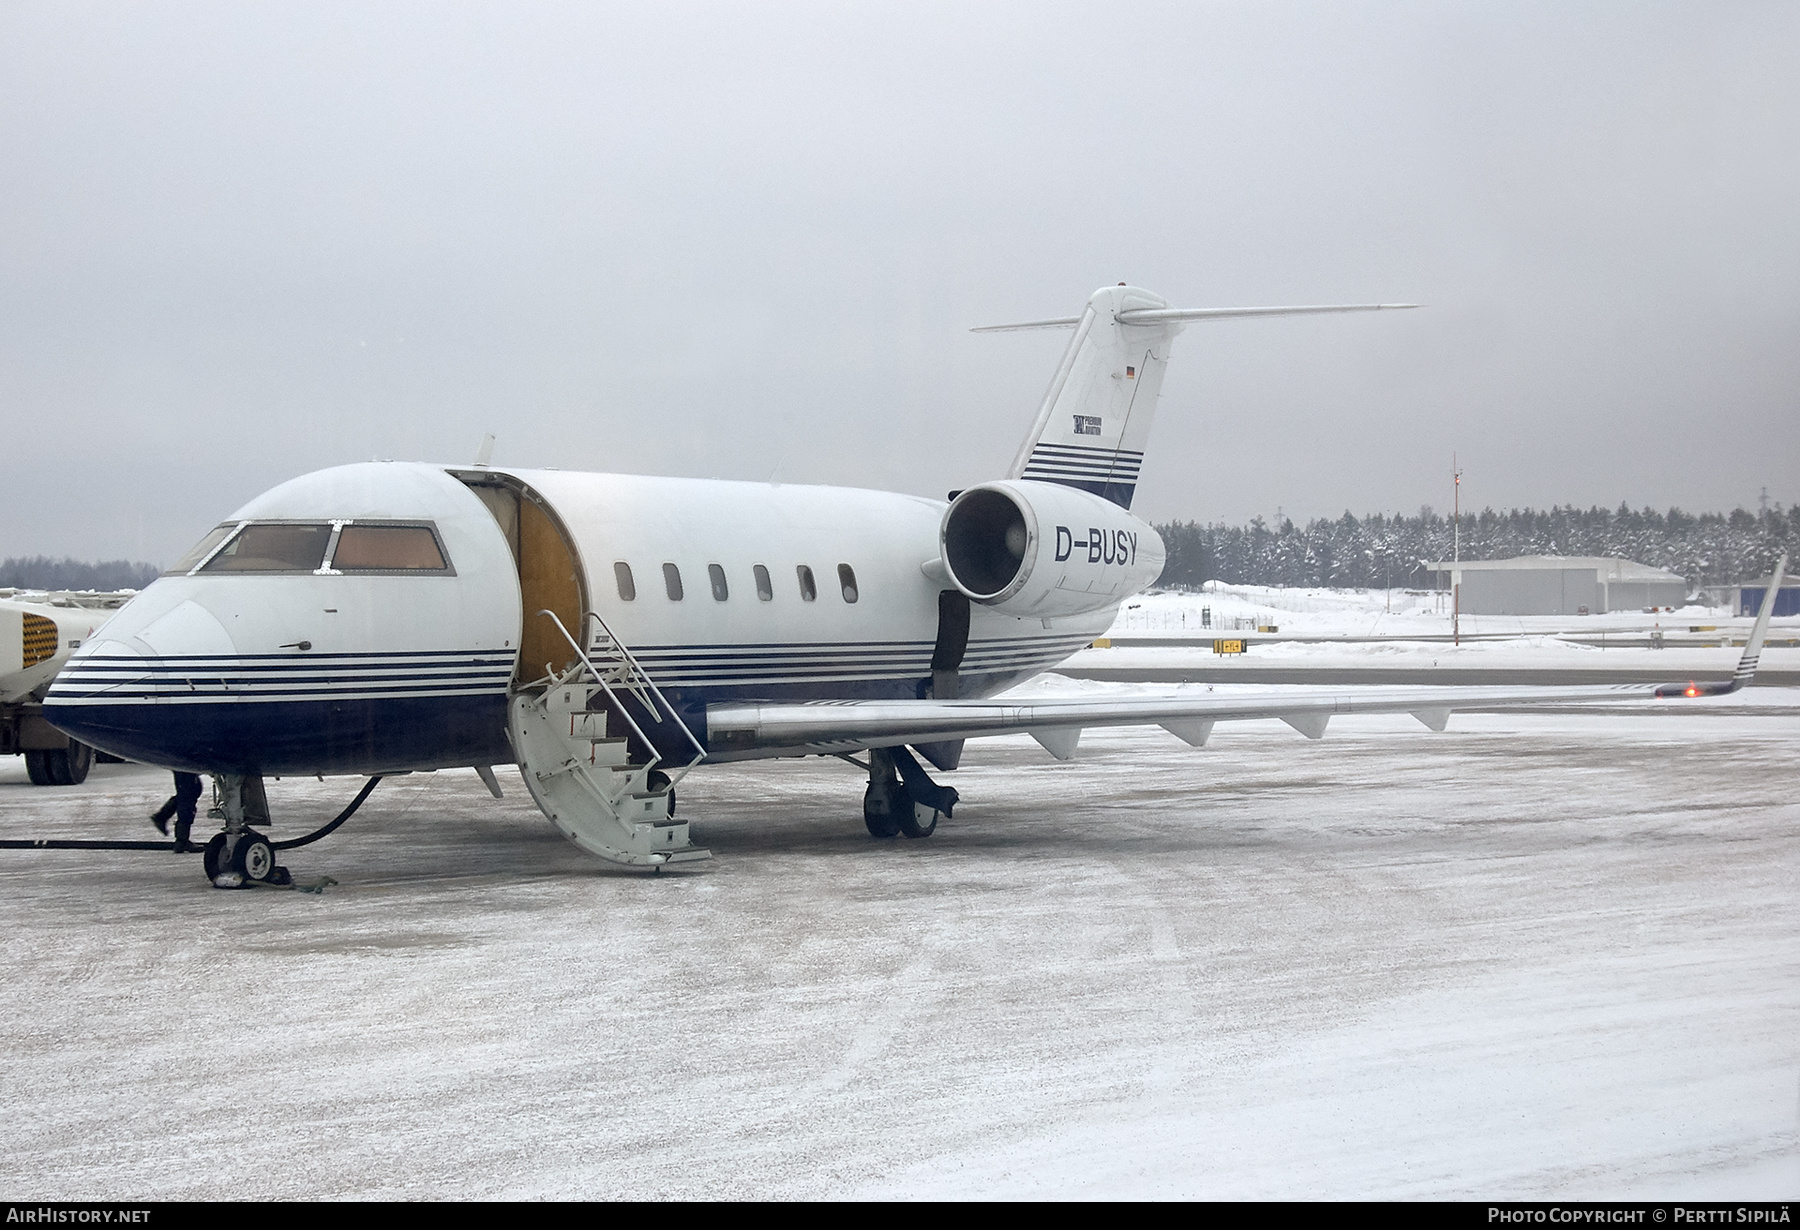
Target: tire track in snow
<point>911,995</point>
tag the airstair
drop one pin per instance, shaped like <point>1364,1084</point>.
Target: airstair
<point>604,791</point>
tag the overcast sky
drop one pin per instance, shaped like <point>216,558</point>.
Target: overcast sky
<point>243,241</point>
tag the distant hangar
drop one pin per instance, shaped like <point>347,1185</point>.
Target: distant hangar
<point>1559,585</point>
<point>1749,597</point>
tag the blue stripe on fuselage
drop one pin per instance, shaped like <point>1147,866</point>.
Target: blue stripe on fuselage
<point>372,735</point>
<point>302,736</point>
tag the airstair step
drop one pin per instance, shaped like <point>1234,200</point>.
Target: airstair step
<point>639,808</point>
<point>590,724</point>
<point>569,697</point>
<point>588,787</point>
<point>581,777</point>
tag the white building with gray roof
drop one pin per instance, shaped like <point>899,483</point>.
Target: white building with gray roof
<point>1559,585</point>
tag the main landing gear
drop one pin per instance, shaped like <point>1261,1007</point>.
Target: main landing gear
<point>901,797</point>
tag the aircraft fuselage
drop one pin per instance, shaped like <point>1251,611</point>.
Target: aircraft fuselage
<point>726,591</point>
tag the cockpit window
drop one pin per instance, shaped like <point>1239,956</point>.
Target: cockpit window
<point>273,548</point>
<point>202,549</point>
<point>387,548</point>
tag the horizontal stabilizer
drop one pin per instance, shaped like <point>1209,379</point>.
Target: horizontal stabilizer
<point>1156,316</point>
<point>1159,316</point>
<point>1434,719</point>
<point>1061,322</point>
<point>1094,423</point>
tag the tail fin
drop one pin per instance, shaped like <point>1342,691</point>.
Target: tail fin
<point>1095,421</point>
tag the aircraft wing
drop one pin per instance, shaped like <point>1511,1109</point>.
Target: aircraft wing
<point>839,726</point>
<point>836,726</point>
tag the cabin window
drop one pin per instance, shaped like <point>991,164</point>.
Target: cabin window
<point>672,582</point>
<point>808,591</point>
<point>627,586</point>
<point>202,549</point>
<point>716,575</point>
<point>388,548</point>
<point>274,548</point>
<point>765,590</point>
<point>847,581</point>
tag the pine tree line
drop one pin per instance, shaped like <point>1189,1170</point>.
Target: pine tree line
<point>1379,550</point>
<point>42,572</point>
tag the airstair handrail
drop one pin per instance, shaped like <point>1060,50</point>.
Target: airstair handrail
<point>637,668</point>
<point>634,673</point>
<point>655,755</point>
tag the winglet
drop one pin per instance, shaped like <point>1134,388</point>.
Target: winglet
<point>1746,668</point>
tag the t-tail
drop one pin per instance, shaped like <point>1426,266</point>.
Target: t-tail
<point>1746,667</point>
<point>1094,424</point>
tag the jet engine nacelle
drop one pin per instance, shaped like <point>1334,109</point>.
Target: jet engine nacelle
<point>1041,549</point>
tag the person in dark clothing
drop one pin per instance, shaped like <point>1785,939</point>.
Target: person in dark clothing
<point>181,806</point>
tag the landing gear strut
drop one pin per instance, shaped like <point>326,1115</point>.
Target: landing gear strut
<point>906,801</point>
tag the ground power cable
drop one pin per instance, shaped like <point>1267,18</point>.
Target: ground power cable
<point>57,843</point>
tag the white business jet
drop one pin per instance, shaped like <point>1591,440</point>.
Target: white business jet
<point>608,632</point>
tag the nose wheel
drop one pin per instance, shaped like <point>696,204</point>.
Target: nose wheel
<point>243,863</point>
<point>212,857</point>
<point>241,857</point>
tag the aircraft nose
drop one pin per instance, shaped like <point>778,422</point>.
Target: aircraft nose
<point>139,689</point>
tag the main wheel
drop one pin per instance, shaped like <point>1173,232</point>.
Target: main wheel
<point>916,819</point>
<point>658,780</point>
<point>254,858</point>
<point>38,768</point>
<point>880,804</point>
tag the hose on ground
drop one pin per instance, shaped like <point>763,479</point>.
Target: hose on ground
<point>58,843</point>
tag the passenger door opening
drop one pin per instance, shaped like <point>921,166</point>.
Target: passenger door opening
<point>550,573</point>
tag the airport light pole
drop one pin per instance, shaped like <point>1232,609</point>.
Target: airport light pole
<point>1455,553</point>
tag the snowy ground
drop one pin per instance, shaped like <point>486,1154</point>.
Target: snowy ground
<point>1535,956</point>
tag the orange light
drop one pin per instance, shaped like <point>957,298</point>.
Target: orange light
<point>1693,691</point>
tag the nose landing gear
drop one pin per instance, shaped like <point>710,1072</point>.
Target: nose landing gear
<point>241,857</point>
<point>249,862</point>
